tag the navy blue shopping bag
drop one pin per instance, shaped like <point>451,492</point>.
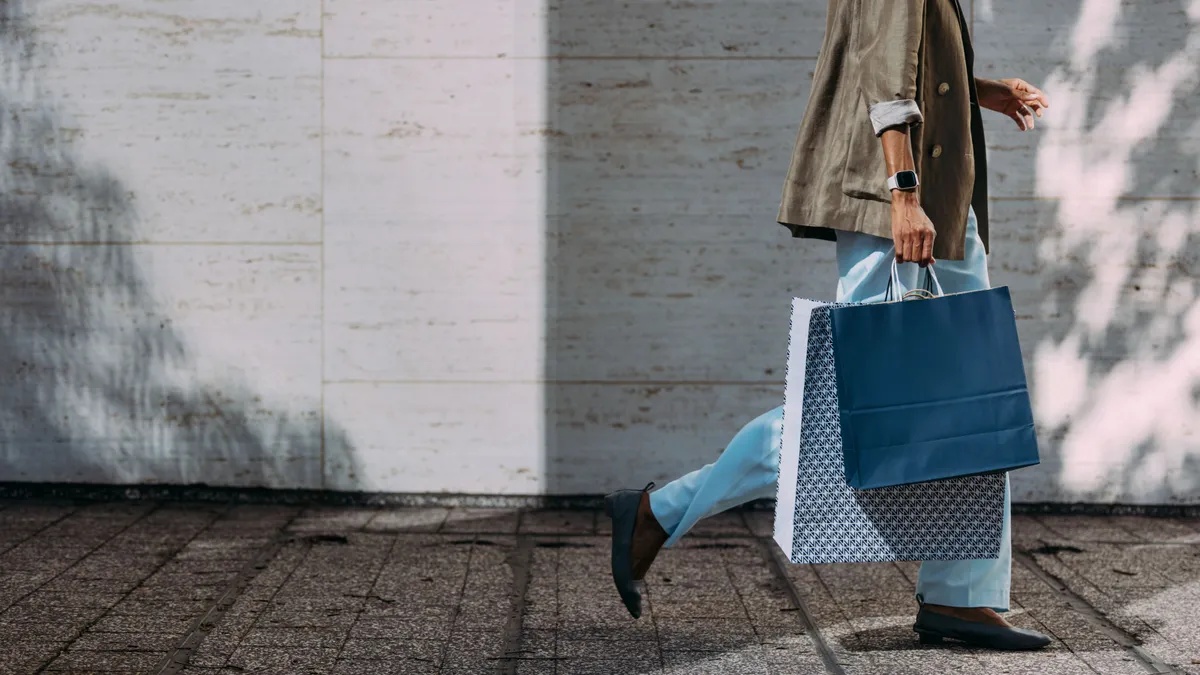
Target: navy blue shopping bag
<point>931,388</point>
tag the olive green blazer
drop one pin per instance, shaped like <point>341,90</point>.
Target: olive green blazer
<point>886,54</point>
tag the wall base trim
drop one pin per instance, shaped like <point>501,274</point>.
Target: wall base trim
<point>243,495</point>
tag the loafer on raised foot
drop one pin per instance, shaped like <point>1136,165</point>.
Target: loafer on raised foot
<point>933,627</point>
<point>636,539</point>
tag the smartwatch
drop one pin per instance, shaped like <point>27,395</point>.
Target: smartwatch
<point>904,180</point>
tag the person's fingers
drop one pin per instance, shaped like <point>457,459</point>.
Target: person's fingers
<point>927,249</point>
<point>1028,115</point>
<point>1019,120</point>
<point>1032,92</point>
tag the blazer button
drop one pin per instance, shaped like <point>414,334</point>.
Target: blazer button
<point>937,151</point>
<point>943,88</point>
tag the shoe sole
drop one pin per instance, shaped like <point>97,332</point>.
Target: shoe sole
<point>930,638</point>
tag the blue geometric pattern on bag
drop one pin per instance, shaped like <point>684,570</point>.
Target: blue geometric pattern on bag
<point>952,519</point>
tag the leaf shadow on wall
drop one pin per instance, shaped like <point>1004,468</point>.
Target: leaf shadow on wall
<point>99,387</point>
<point>1115,363</point>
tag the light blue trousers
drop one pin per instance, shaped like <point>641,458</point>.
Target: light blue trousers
<point>748,468</point>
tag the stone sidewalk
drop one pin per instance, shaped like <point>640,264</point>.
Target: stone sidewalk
<point>213,589</point>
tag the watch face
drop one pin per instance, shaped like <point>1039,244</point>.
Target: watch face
<point>906,180</point>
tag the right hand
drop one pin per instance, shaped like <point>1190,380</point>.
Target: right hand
<point>912,230</point>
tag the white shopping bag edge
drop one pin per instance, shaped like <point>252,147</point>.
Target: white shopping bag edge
<point>793,415</point>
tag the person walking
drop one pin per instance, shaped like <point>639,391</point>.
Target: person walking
<point>889,162</point>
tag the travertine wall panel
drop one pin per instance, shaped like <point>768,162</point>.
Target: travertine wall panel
<point>528,246</point>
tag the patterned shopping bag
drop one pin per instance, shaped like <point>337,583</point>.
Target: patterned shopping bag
<point>821,519</point>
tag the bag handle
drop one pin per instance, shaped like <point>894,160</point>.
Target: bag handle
<point>931,289</point>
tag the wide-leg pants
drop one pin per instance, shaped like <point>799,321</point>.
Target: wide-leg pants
<point>748,468</point>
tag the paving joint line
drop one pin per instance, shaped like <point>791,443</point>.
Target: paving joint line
<point>520,561</point>
<point>387,557</point>
<point>177,658</point>
<point>778,567</point>
<point>1097,619</point>
<point>458,601</point>
<point>135,521</point>
<point>76,509</point>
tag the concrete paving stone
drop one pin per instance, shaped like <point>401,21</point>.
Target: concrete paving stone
<point>1157,529</point>
<point>469,641</point>
<point>332,519</point>
<point>418,585</point>
<point>631,631</point>
<point>558,522</point>
<point>297,660</point>
<point>57,631</point>
<point>201,568</point>
<point>608,650</point>
<point>417,606</point>
<point>411,546</point>
<point>334,605</point>
<point>143,623</point>
<point>862,579</point>
<point>477,615</point>
<point>216,648</point>
<point>407,520</point>
<point>1095,642</point>
<point>536,643</point>
<point>1033,663</point>
<point>537,667</point>
<point>1118,662</point>
<point>708,641</point>
<point>879,635</point>
<point>480,520</point>
<point>177,608</point>
<point>75,616</point>
<point>789,637</point>
<point>276,618</point>
<point>108,566</point>
<point>800,666</point>
<point>715,609</point>
<point>538,618</point>
<point>90,661</point>
<point>1087,529</point>
<point>466,665</point>
<point>20,657</point>
<point>164,593</point>
<point>33,555</point>
<point>43,598</point>
<point>126,642</point>
<point>364,667</point>
<point>625,667</point>
<point>771,612</point>
<point>221,550</point>
<point>747,661</point>
<point>295,637</point>
<point>76,586</point>
<point>259,513</point>
<point>391,628</point>
<point>422,651</point>
<point>1113,567</point>
<point>1178,564</point>
<point>322,588</point>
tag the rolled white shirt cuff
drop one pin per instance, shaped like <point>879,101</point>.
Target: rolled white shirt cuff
<point>890,114</point>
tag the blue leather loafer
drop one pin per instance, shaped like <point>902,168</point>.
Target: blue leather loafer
<point>933,628</point>
<point>622,506</point>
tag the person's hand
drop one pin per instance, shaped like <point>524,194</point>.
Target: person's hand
<point>1013,97</point>
<point>912,231</point>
